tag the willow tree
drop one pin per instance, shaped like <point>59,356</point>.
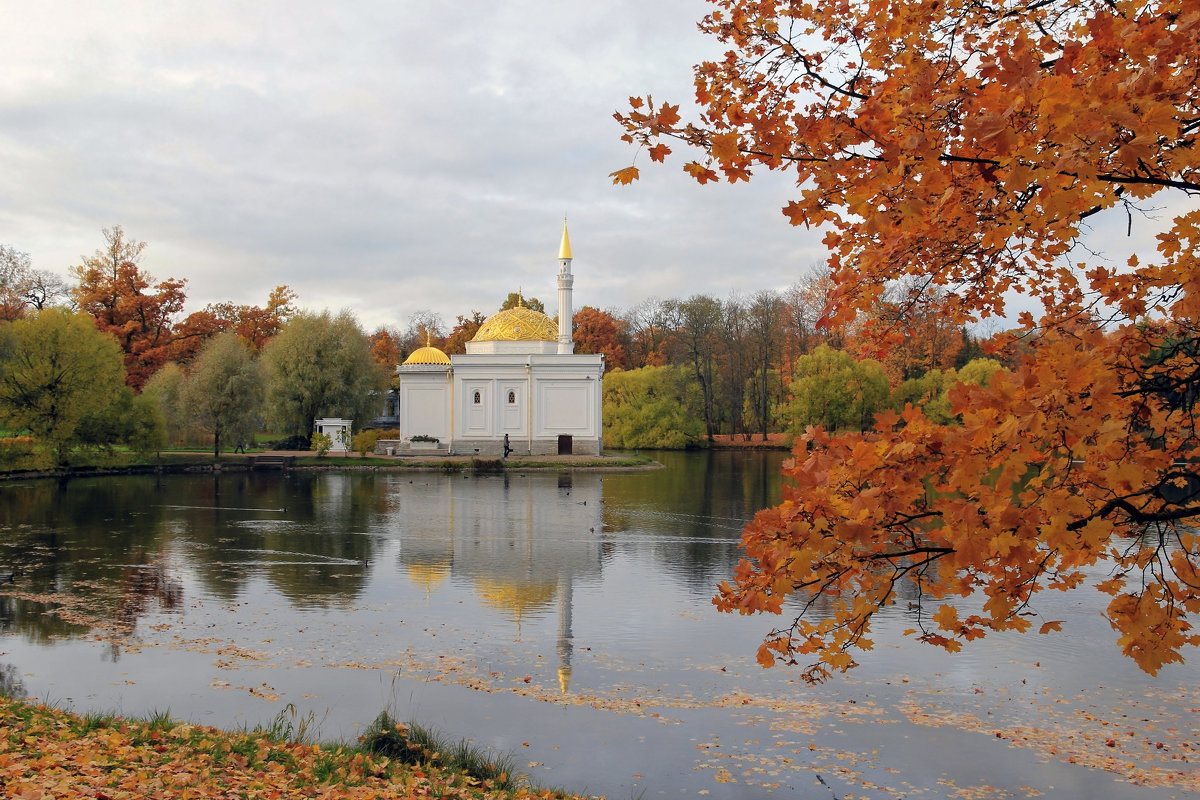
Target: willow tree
<point>321,365</point>
<point>58,371</point>
<point>968,145</point>
<point>225,390</point>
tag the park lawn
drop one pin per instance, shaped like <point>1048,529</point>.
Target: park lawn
<point>48,752</point>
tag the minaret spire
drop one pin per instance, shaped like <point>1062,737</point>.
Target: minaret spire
<point>566,314</point>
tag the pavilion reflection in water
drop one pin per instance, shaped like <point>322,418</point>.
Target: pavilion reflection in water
<point>521,540</point>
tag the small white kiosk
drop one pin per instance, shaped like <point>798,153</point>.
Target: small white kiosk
<point>338,430</point>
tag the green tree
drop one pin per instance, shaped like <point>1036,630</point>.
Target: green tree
<point>832,390</point>
<point>132,420</point>
<point>224,392</point>
<point>516,298</point>
<point>930,393</point>
<point>979,371</point>
<point>320,365</point>
<point>652,407</point>
<point>61,370</point>
<point>165,389</point>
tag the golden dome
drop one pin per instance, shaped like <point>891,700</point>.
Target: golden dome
<point>518,324</point>
<point>518,599</point>
<point>427,355</point>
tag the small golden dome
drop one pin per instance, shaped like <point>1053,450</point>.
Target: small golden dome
<point>428,575</point>
<point>428,355</point>
<point>519,324</point>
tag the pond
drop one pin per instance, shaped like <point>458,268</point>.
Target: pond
<point>565,619</point>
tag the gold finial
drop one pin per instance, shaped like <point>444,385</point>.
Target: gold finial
<point>428,343</point>
<point>564,249</point>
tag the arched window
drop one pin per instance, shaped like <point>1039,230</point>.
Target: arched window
<point>478,399</point>
<point>512,398</point>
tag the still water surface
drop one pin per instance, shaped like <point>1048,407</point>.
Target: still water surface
<point>565,619</point>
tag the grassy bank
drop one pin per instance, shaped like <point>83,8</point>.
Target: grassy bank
<point>47,752</point>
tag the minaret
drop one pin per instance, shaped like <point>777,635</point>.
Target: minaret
<point>566,315</point>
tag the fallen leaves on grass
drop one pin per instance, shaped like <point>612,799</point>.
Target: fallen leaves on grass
<point>46,752</point>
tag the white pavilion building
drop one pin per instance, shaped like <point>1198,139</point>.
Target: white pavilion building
<point>520,381</point>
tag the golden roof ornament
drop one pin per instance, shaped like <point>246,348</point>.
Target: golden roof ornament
<point>564,249</point>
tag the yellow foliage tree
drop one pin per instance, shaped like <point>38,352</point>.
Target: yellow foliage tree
<point>965,144</point>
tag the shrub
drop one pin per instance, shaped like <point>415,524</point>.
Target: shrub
<point>321,442</point>
<point>364,442</point>
<point>21,452</point>
<point>291,443</point>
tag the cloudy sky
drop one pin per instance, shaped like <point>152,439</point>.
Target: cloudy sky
<point>383,156</point>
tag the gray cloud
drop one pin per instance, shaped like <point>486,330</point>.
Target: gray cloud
<point>384,157</point>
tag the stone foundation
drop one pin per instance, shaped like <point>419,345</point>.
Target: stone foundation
<point>492,448</point>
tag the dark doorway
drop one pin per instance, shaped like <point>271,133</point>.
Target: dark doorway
<point>564,444</point>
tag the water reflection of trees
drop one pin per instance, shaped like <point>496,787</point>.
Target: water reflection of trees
<point>698,505</point>
<point>11,684</point>
<point>81,539</point>
<point>314,535</point>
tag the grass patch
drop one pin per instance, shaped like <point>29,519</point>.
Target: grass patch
<point>416,745</point>
<point>52,752</point>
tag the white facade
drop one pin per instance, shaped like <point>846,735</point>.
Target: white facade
<point>519,380</point>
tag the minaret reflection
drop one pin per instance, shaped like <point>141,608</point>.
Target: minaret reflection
<point>522,541</point>
<point>566,645</point>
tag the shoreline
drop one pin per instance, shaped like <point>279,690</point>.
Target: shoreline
<point>182,463</point>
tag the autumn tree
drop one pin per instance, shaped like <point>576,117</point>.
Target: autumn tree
<point>599,331</point>
<point>60,370</point>
<point>125,303</point>
<point>736,366</point>
<point>424,327</point>
<point>804,305</point>
<point>651,332</point>
<point>764,323</point>
<point>698,325</point>
<point>24,288</point>
<point>925,338</point>
<point>15,267</point>
<point>464,330</point>
<point>254,325</point>
<point>968,145</point>
<point>385,347</point>
<point>224,391</point>
<point>320,365</point>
